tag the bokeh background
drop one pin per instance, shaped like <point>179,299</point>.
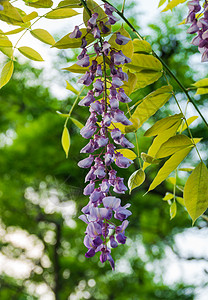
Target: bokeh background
<point>41,237</point>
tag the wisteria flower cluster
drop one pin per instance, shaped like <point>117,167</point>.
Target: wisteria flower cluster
<point>102,234</point>
<point>199,25</point>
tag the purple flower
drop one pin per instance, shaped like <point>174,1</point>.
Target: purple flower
<point>76,33</point>
<point>116,135</point>
<point>101,140</point>
<point>99,71</point>
<point>121,238</point>
<point>106,48</point>
<point>85,79</point>
<point>87,100</point>
<point>84,43</point>
<point>89,188</point>
<point>88,131</point>
<point>86,162</point>
<point>96,32</point>
<point>111,202</point>
<point>121,39</point>
<point>113,243</point>
<point>105,186</point>
<point>114,103</point>
<point>116,81</point>
<point>90,175</point>
<point>109,9</point>
<point>82,54</point>
<point>98,87</point>
<point>84,62</point>
<point>125,143</point>
<point>93,229</point>
<point>122,213</point>
<point>97,48</point>
<point>104,28</point>
<point>122,161</point>
<point>96,195</point>
<point>119,186</point>
<point>112,20</point>
<point>92,21</point>
<point>100,171</point>
<point>97,106</point>
<point>90,253</point>
<point>107,119</point>
<point>121,96</point>
<point>118,116</point>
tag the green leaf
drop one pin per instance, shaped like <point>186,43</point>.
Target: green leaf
<point>6,73</point>
<point>188,121</point>
<point>6,50</point>
<point>71,88</point>
<point>136,179</point>
<point>30,53</point>
<point>61,13</point>
<point>66,42</point>
<point>62,115</point>
<point>130,85</point>
<point>163,124</point>
<point>43,35</point>
<point>5,43</point>
<point>161,2</point>
<point>17,30</point>
<point>71,3</point>
<point>95,8</point>
<point>202,86</point>
<point>190,169</point>
<point>127,153</point>
<point>149,159</point>
<point>29,17</point>
<point>141,46</point>
<point>65,141</point>
<point>10,14</point>
<point>180,200</point>
<point>196,192</point>
<point>168,196</point>
<point>170,165</point>
<point>172,180</point>
<point>77,123</point>
<point>173,210</point>
<point>151,103</point>
<point>127,49</point>
<point>173,145</point>
<point>172,4</point>
<point>141,62</point>
<point>160,139</point>
<point>146,77</point>
<point>40,3</point>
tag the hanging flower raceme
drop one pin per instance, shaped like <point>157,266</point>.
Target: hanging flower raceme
<point>199,25</point>
<point>102,233</point>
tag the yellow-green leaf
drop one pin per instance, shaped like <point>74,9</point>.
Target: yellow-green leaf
<point>202,91</point>
<point>81,70</point>
<point>43,35</point>
<point>10,14</point>
<point>202,86</point>
<point>65,141</point>
<point>127,49</point>
<point>172,4</point>
<point>160,139</point>
<point>146,77</point>
<point>70,3</point>
<point>30,53</point>
<point>17,30</point>
<point>127,153</point>
<point>173,145</point>
<point>172,180</point>
<point>77,123</point>
<point>130,85</point>
<point>61,13</point>
<point>163,124</point>
<point>5,43</point>
<point>161,2</point>
<point>190,169</point>
<point>168,196</point>
<point>149,159</point>
<point>136,179</point>
<point>180,200</point>
<point>6,73</point>
<point>62,115</point>
<point>196,192</point>
<point>170,165</point>
<point>173,210</point>
<point>141,46</point>
<point>40,3</point>
<point>141,62</point>
<point>71,88</point>
<point>189,121</point>
<point>30,17</point>
<point>151,103</point>
<point>66,42</point>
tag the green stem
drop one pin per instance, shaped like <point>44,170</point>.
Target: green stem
<point>73,106</point>
<point>123,6</point>
<point>163,63</point>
